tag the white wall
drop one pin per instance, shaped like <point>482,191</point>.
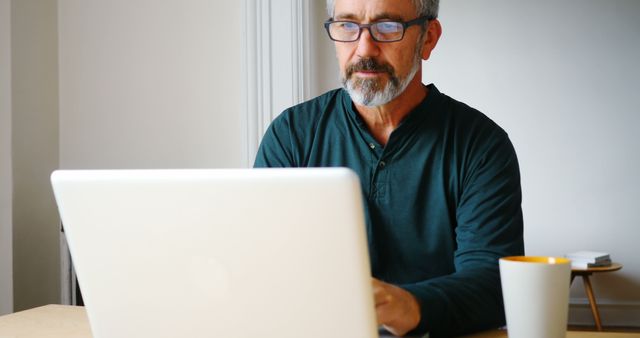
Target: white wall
<point>34,152</point>
<point>150,84</point>
<point>6,246</point>
<point>562,78</point>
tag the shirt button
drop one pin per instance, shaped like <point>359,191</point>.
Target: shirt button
<point>372,146</point>
<point>382,164</point>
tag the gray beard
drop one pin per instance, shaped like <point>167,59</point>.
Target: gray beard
<point>369,93</point>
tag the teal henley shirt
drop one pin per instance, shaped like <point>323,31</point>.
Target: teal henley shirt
<point>442,198</point>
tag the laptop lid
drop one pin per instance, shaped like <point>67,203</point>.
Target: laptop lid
<point>219,253</point>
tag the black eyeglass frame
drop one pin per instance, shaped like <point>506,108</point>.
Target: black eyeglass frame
<point>405,25</point>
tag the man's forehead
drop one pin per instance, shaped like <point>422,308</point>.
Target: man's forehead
<point>372,10</point>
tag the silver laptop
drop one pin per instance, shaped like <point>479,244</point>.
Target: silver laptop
<point>219,253</point>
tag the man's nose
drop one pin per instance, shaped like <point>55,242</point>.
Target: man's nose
<point>367,46</point>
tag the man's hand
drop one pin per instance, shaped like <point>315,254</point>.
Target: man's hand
<point>397,309</point>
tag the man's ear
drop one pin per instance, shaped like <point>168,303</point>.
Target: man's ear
<point>434,30</point>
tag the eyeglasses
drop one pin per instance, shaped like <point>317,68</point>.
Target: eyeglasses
<point>383,31</point>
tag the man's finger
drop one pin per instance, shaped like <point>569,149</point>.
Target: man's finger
<point>381,294</point>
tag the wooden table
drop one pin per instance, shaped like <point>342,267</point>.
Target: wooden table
<point>51,321</point>
<point>63,321</point>
<point>585,273</point>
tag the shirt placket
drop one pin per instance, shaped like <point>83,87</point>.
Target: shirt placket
<point>379,170</point>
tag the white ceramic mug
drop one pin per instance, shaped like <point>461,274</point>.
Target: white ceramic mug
<point>536,295</point>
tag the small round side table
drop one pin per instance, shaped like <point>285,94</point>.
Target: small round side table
<point>585,273</point>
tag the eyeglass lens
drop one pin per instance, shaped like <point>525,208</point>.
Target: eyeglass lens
<point>381,31</point>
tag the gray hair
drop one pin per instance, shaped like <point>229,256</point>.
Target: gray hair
<point>428,8</point>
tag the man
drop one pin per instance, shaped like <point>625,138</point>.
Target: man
<point>440,180</point>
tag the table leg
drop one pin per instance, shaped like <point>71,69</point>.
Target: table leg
<point>592,301</point>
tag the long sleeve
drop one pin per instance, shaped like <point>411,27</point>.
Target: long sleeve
<point>489,226</point>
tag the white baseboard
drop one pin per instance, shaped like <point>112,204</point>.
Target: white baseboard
<point>612,313</point>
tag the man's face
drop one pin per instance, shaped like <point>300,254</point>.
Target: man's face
<point>375,73</point>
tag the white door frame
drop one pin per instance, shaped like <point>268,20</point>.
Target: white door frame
<point>276,52</point>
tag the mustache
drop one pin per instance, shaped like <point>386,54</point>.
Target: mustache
<point>369,64</point>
